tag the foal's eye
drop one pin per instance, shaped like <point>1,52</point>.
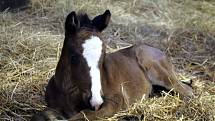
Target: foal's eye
<point>75,58</point>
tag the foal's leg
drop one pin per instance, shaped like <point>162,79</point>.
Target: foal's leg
<point>164,76</point>
<point>160,72</point>
<point>111,105</point>
<point>48,115</point>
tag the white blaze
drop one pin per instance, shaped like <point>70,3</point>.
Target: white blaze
<point>92,53</point>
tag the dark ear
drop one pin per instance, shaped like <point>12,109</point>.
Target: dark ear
<point>72,23</point>
<point>101,21</point>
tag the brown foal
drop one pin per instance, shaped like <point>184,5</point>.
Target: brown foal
<point>89,83</point>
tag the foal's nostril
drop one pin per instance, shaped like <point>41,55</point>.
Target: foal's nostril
<point>96,103</point>
<point>97,107</point>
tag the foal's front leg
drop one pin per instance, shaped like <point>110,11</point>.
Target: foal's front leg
<point>111,105</point>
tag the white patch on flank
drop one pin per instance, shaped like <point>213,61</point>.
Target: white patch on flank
<point>92,53</point>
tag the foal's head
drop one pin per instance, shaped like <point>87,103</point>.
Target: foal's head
<point>85,47</point>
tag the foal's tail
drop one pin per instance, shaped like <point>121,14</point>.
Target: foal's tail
<point>48,115</point>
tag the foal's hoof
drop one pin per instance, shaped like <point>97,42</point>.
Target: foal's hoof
<point>130,118</point>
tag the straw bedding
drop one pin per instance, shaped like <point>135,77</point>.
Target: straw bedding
<point>31,42</point>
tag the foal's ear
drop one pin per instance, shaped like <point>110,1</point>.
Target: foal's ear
<point>101,21</point>
<point>72,23</point>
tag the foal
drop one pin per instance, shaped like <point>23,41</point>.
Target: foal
<point>99,84</point>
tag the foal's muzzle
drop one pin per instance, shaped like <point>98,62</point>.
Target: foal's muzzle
<point>96,103</point>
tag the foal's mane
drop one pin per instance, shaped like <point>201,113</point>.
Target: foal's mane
<point>85,21</point>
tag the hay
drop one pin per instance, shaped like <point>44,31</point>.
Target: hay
<point>170,108</point>
<point>31,42</point>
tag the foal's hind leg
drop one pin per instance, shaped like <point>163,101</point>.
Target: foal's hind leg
<point>160,72</point>
<point>164,76</point>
